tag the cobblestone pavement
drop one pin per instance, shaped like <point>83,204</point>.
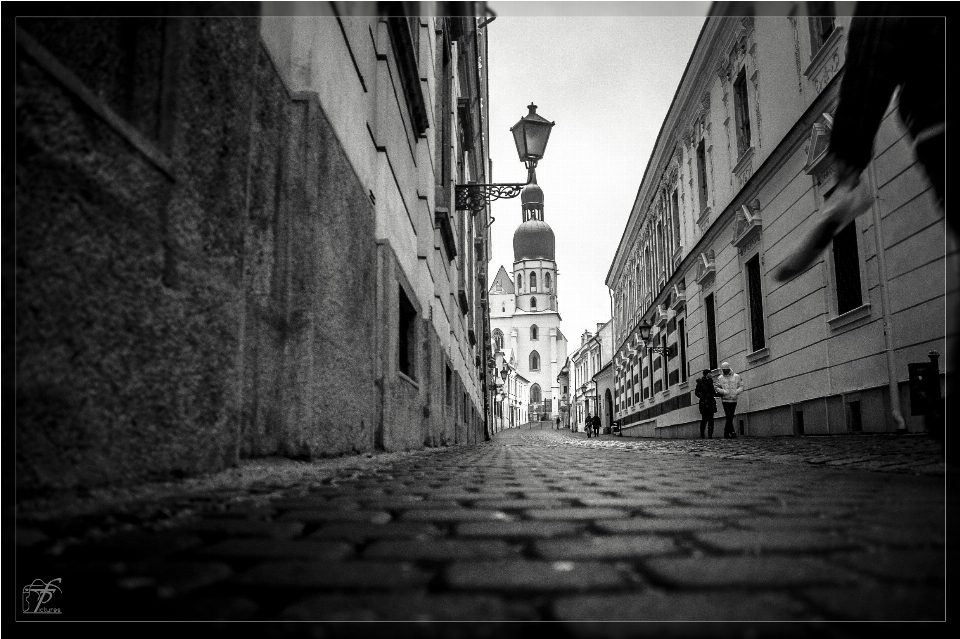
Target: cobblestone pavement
<point>540,525</point>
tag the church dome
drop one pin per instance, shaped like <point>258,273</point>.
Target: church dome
<point>533,240</point>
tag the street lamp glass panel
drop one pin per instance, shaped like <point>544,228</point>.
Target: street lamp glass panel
<point>644,331</point>
<point>530,135</point>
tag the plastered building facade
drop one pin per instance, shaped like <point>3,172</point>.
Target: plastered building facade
<point>737,176</point>
<point>237,237</point>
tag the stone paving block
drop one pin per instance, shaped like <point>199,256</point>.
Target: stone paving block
<point>575,514</point>
<point>245,528</point>
<point>314,517</point>
<point>138,545</point>
<point>413,607</point>
<point>455,514</point>
<point>517,503</point>
<point>683,512</point>
<point>170,579</point>
<point>358,532</point>
<point>27,537</point>
<point>536,529</point>
<point>746,571</point>
<point>428,504</point>
<point>306,550</point>
<point>757,541</point>
<point>654,525</point>
<point>606,547</point>
<point>905,535</point>
<point>789,523</point>
<point>208,608</point>
<point>533,576</point>
<point>887,602</point>
<point>661,606</point>
<point>302,576</point>
<point>899,565</point>
<point>630,503</point>
<point>438,549</point>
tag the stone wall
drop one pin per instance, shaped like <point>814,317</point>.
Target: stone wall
<point>195,267</point>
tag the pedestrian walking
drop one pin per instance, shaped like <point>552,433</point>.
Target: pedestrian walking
<point>596,425</point>
<point>588,425</point>
<point>558,422</point>
<point>887,49</point>
<point>707,393</point>
<point>729,385</point>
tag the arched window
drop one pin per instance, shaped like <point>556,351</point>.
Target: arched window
<point>519,282</point>
<point>535,393</point>
<point>533,303</point>
<point>534,361</point>
<point>534,332</point>
<point>546,282</point>
<point>497,340</point>
<point>533,282</point>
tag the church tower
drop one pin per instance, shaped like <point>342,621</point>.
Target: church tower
<point>524,312</point>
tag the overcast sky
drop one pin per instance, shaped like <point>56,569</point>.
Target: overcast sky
<point>607,81</point>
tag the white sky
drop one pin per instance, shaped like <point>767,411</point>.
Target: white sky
<point>607,81</point>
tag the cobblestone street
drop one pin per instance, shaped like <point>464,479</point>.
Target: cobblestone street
<point>534,525</point>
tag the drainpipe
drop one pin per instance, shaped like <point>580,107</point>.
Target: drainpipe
<point>893,386</point>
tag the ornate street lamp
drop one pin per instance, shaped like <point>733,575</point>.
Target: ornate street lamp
<point>644,329</point>
<point>530,135</point>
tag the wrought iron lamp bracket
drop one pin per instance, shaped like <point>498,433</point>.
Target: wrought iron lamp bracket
<point>474,197</point>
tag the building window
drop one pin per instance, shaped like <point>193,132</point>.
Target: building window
<point>449,386</point>
<point>534,332</point>
<point>711,319</point>
<point>407,335</point>
<point>846,264</point>
<point>405,37</point>
<point>546,282</point>
<point>822,23</point>
<point>741,112</point>
<point>756,303</point>
<point>533,303</point>
<point>675,214</point>
<point>519,282</point>
<point>534,361</point>
<point>533,282</point>
<point>497,340</point>
<point>702,174</point>
<point>682,342</point>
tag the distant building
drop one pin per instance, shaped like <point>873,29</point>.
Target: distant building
<point>738,174</point>
<point>595,352</point>
<point>524,310</point>
<point>237,236</point>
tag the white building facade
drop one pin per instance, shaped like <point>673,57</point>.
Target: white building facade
<point>737,176</point>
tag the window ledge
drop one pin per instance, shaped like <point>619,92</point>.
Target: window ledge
<point>849,317</point>
<point>684,384</point>
<point>408,379</point>
<point>823,53</point>
<point>758,355</point>
<point>743,161</point>
<point>666,393</point>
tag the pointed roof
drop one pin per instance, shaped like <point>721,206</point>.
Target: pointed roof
<point>502,284</point>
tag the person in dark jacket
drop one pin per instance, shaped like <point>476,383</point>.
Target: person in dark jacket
<point>706,393</point>
<point>596,425</point>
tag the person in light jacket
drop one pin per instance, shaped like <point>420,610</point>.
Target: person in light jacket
<point>729,386</point>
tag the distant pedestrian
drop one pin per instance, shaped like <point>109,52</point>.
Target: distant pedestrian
<point>730,386</point>
<point>706,392</point>
<point>558,422</point>
<point>588,425</point>
<point>596,425</point>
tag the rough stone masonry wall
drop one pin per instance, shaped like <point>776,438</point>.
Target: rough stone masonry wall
<point>169,319</point>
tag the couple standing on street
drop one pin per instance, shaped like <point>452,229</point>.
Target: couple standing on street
<point>727,387</point>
